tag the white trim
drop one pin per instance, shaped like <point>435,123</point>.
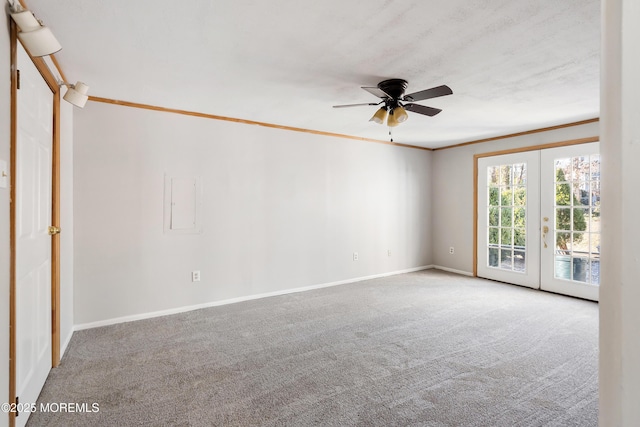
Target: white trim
<point>453,270</point>
<point>150,315</point>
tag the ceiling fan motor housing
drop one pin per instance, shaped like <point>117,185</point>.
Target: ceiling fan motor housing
<point>393,87</point>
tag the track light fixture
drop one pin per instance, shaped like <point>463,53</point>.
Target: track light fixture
<point>36,38</point>
<point>76,94</point>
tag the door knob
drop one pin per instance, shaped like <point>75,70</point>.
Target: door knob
<point>53,230</point>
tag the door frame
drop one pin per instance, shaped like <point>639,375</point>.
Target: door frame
<point>52,82</point>
<point>509,151</point>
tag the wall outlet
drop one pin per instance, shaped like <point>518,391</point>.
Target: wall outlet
<point>355,256</point>
<point>195,276</point>
<point>451,250</point>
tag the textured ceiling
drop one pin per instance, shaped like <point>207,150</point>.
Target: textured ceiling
<point>513,65</point>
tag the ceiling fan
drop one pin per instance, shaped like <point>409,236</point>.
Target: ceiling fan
<point>396,103</point>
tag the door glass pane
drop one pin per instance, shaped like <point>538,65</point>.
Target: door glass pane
<point>580,219</point>
<point>506,256</point>
<point>505,175</point>
<point>581,169</point>
<point>563,218</point>
<point>494,236</point>
<point>494,217</point>
<point>520,239</point>
<point>563,166</point>
<point>577,219</point>
<point>580,271</point>
<point>563,194</point>
<point>506,237</point>
<point>595,167</point>
<point>519,216</point>
<point>493,257</point>
<point>519,196</point>
<point>494,196</point>
<point>493,175</point>
<point>507,216</point>
<point>580,193</point>
<point>519,174</point>
<point>518,261</point>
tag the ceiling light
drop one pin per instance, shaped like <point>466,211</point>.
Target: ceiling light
<point>76,94</point>
<point>379,116</point>
<point>36,38</point>
<point>400,114</point>
<point>392,121</point>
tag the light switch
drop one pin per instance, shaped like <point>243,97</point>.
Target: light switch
<point>4,174</point>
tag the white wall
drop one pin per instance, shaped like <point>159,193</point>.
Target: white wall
<point>282,210</point>
<point>620,290</point>
<point>5,118</point>
<point>452,191</point>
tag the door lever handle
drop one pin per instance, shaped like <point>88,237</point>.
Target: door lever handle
<point>545,230</point>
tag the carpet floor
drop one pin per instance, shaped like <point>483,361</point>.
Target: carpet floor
<point>421,349</point>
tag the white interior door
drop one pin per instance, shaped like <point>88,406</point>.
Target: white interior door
<point>539,219</point>
<point>570,207</point>
<point>508,218</point>
<point>33,243</point>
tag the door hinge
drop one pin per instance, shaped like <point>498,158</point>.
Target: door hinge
<point>17,403</point>
<point>18,79</point>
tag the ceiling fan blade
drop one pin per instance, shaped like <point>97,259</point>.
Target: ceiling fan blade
<point>421,109</point>
<point>434,92</point>
<point>376,91</point>
<point>354,105</point>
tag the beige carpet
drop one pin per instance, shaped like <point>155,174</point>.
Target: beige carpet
<point>420,349</point>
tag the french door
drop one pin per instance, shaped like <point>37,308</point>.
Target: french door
<point>508,218</point>
<point>539,219</point>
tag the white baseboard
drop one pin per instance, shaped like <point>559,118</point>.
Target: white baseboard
<point>177,310</point>
<point>453,270</point>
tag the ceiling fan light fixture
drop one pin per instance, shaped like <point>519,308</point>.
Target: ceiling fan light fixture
<point>400,114</point>
<point>379,116</point>
<point>392,121</point>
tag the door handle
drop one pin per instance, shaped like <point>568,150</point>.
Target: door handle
<point>53,230</point>
<point>545,230</point>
